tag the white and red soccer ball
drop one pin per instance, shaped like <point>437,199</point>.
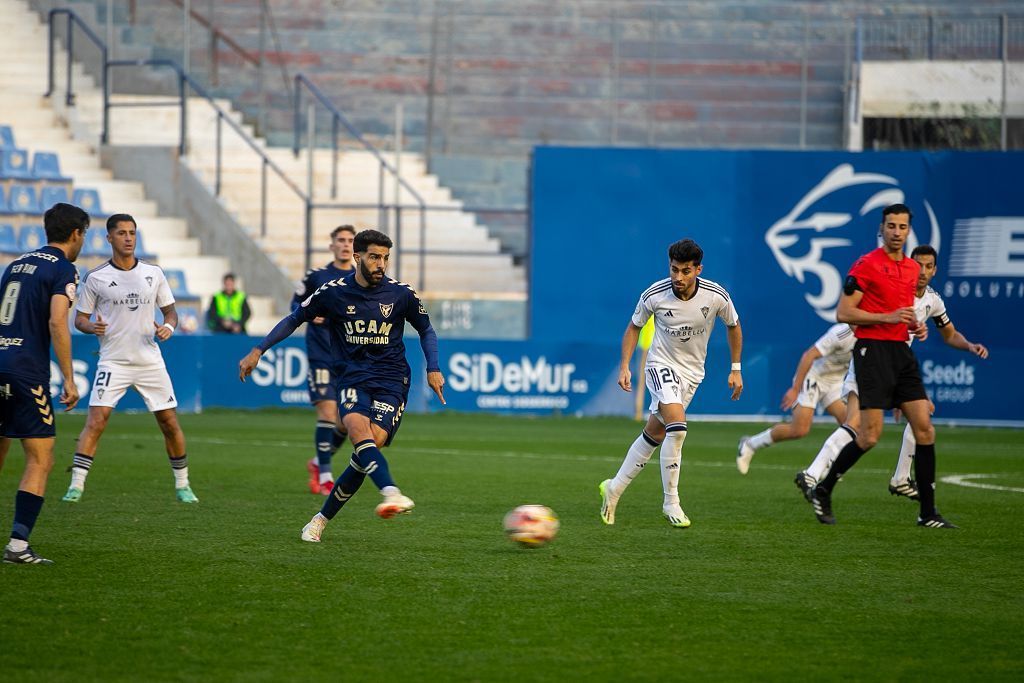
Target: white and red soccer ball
<point>531,526</point>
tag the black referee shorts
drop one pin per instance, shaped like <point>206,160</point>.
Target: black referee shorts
<point>887,374</point>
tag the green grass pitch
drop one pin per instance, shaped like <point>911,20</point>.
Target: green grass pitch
<point>146,588</point>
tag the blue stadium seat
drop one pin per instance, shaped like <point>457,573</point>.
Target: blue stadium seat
<point>14,164</point>
<point>51,194</point>
<point>8,240</point>
<point>23,199</point>
<point>31,238</point>
<point>176,281</point>
<point>96,243</point>
<point>83,272</point>
<point>46,166</point>
<point>6,138</point>
<point>88,199</point>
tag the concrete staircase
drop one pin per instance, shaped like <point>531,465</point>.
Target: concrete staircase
<point>39,126</point>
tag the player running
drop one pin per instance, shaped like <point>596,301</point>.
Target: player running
<point>124,294</point>
<point>817,382</point>
<point>322,380</point>
<point>684,308</point>
<point>36,292</point>
<point>366,314</point>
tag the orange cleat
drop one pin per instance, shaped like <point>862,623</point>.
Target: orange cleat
<point>314,477</point>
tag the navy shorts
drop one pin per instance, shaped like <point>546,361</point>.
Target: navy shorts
<point>25,408</point>
<point>322,382</point>
<point>384,404</point>
<point>887,374</point>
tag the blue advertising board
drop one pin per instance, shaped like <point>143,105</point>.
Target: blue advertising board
<point>779,231</point>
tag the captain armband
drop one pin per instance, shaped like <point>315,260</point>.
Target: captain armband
<point>941,320</point>
<point>851,285</point>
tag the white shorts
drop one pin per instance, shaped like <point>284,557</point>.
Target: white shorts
<point>817,392</point>
<point>850,382</point>
<point>152,383</point>
<point>666,386</point>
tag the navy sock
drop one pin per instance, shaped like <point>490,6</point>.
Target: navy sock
<point>924,471</point>
<point>324,450</point>
<point>374,462</point>
<point>338,437</point>
<point>26,510</point>
<point>846,459</point>
<point>344,488</point>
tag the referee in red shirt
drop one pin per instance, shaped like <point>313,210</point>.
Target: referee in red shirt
<point>878,299</point>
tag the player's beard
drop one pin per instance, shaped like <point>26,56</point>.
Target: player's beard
<point>374,278</point>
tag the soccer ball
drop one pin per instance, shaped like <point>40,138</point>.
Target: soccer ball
<point>531,526</point>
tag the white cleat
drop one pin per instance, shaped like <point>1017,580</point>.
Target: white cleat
<point>744,454</point>
<point>311,532</point>
<point>394,505</point>
<point>675,516</point>
<point>608,502</point>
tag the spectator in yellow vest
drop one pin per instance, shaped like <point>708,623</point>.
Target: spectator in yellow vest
<point>229,309</point>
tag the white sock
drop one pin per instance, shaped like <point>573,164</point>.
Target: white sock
<point>671,459</point>
<point>326,477</point>
<point>829,452</point>
<point>78,476</point>
<point>762,440</point>
<point>906,459</point>
<point>390,491</point>
<point>636,458</point>
<point>16,545</point>
<point>180,477</point>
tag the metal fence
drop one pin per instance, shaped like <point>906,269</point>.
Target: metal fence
<point>942,37</point>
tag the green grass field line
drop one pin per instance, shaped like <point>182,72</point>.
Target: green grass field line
<point>147,589</point>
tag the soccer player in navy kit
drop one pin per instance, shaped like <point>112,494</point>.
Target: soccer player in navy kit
<point>366,313</point>
<point>322,379</point>
<point>878,298</point>
<point>36,293</point>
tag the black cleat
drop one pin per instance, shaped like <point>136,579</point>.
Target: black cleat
<point>907,489</point>
<point>821,501</point>
<point>936,521</point>
<point>26,556</point>
<point>805,484</point>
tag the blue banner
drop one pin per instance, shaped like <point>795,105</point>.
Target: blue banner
<point>779,231</point>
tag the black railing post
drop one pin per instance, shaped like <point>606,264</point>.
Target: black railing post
<point>105,133</point>
<point>69,99</point>
<point>182,131</point>
<point>49,78</point>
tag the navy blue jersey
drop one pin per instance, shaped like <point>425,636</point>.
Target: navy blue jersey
<point>318,337</point>
<point>25,292</point>
<point>366,326</point>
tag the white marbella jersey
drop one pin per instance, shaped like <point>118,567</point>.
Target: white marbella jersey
<point>836,349</point>
<point>929,305</point>
<point>682,328</point>
<point>127,301</point>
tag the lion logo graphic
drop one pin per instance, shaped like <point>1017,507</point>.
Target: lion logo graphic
<point>801,241</point>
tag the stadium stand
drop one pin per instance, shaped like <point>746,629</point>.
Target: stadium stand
<point>46,166</point>
<point>30,238</point>
<point>14,164</point>
<point>8,239</point>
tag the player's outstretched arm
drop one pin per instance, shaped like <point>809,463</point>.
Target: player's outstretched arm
<point>435,380</point>
<point>61,339</point>
<point>734,337</point>
<point>953,337</point>
<point>281,331</point>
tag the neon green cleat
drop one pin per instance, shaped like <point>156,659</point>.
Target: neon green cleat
<point>185,495</point>
<point>73,495</point>
<point>608,502</point>
<point>675,516</point>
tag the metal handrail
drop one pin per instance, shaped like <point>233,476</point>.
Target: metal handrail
<point>338,118</point>
<point>69,97</point>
